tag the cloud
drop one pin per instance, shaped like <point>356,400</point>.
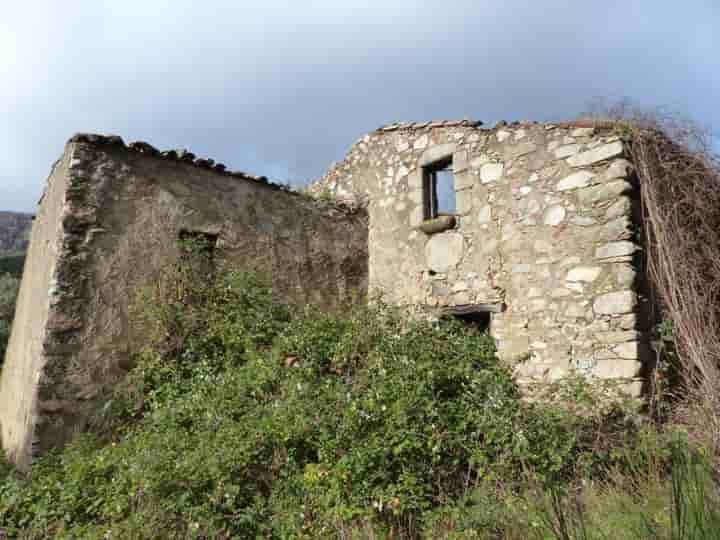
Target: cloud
<point>284,88</point>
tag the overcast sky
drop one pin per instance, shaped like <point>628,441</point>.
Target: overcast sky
<point>285,88</point>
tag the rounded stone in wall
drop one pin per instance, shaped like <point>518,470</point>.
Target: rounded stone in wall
<point>444,251</point>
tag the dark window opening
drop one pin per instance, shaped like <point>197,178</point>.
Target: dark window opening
<point>480,320</point>
<point>197,242</point>
<point>478,316</point>
<point>439,188</point>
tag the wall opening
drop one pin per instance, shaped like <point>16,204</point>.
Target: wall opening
<point>439,188</point>
<point>202,243</point>
<point>479,316</point>
<point>479,320</point>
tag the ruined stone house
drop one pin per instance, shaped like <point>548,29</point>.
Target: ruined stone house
<point>530,231</point>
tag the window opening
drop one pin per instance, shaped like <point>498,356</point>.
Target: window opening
<point>439,188</point>
<point>478,316</point>
<point>199,242</point>
<point>480,320</point>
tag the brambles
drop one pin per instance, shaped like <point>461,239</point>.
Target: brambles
<point>245,419</point>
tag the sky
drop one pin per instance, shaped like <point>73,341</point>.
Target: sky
<point>285,88</point>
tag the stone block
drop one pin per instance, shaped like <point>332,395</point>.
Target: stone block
<point>464,202</point>
<point>522,268</point>
<point>567,151</point>
<point>615,303</point>
<point>621,207</point>
<point>596,155</point>
<point>460,161</point>
<point>485,214</point>
<point>554,215</point>
<point>518,150</point>
<point>615,249</point>
<point>436,153</point>
<point>417,216</point>
<point>619,168</point>
<point>586,274</point>
<point>618,229</point>
<point>415,179</point>
<point>444,251</point>
<point>576,180</point>
<point>491,172</point>
<point>604,192</point>
<point>617,336</point>
<point>616,369</point>
<point>464,180</point>
<point>421,142</point>
<point>631,350</point>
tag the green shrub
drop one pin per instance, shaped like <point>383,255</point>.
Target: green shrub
<point>9,286</point>
<point>246,419</point>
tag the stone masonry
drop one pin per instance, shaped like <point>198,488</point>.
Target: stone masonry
<point>543,241</point>
<point>545,232</point>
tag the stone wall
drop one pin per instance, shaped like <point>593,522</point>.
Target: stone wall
<point>544,229</point>
<point>107,225</point>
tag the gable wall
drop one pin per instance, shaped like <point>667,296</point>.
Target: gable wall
<point>546,224</point>
<point>107,227</point>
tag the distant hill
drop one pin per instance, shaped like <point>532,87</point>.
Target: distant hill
<point>14,231</point>
<point>14,234</point>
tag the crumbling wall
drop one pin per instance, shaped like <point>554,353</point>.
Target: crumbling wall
<point>545,227</point>
<point>108,224</point>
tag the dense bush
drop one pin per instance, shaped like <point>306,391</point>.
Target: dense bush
<point>246,419</point>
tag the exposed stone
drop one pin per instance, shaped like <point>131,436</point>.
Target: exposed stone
<point>619,168</point>
<point>625,275</point>
<point>554,215</point>
<point>595,155</point>
<point>575,310</point>
<point>518,150</point>
<point>617,336</point>
<point>579,179</point>
<point>491,172</point>
<point>567,150</point>
<point>615,303</point>
<point>421,142</point>
<point>521,268</point>
<point>583,221</point>
<point>603,192</point>
<point>560,292</point>
<point>615,249</point>
<point>621,207</point>
<point>485,214</point>
<point>618,229</point>
<point>616,368</point>
<point>582,132</point>
<point>436,153</point>
<point>587,274</point>
<point>444,251</point>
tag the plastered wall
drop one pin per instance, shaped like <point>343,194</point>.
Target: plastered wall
<point>107,225</point>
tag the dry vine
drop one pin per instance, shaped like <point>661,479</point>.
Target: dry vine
<point>679,180</point>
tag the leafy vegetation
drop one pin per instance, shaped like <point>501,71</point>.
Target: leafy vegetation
<point>14,231</point>
<point>12,263</point>
<point>248,419</point>
<point>8,292</point>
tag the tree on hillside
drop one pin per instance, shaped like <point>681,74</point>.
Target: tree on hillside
<point>8,294</point>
